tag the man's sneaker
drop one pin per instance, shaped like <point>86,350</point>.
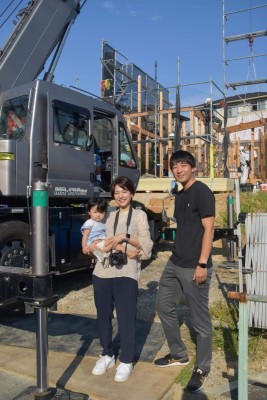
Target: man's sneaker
<point>197,380</point>
<point>169,361</point>
<point>123,371</point>
<point>104,363</point>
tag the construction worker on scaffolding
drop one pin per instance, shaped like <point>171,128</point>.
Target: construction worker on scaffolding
<point>207,117</point>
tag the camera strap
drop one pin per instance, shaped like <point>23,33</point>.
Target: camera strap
<point>127,223</point>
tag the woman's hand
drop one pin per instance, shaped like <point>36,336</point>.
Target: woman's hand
<point>132,253</point>
<point>115,240</point>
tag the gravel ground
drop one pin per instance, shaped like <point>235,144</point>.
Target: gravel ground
<point>76,292</point>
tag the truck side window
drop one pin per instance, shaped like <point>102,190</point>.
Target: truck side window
<point>13,118</point>
<point>70,128</point>
<point>103,133</point>
<point>125,150</point>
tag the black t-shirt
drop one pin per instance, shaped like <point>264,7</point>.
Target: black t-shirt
<point>191,206</point>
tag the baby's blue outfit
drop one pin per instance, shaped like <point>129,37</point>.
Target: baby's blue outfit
<point>97,230</point>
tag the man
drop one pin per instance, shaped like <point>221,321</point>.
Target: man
<point>244,165</point>
<point>188,271</point>
<point>206,114</point>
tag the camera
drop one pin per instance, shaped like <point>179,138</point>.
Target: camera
<point>117,258</point>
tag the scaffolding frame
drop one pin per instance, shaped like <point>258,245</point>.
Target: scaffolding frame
<point>161,132</point>
<point>250,36</point>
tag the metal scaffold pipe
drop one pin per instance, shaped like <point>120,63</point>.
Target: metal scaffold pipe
<point>40,267</point>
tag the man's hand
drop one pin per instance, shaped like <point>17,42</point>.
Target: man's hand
<point>200,275</point>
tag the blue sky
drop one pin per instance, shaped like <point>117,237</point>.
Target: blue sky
<point>153,30</point>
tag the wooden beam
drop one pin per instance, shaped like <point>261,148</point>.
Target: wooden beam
<point>199,115</point>
<point>247,125</point>
<point>147,113</point>
<point>164,184</point>
<point>135,128</point>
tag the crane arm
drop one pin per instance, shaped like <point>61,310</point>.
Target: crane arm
<point>40,29</point>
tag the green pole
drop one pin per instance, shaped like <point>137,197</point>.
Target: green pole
<point>243,352</point>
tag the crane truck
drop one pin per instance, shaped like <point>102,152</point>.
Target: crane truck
<point>52,134</point>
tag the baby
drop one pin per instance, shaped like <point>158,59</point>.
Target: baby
<point>94,230</point>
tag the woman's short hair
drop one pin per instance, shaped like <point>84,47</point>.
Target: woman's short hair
<point>182,155</point>
<point>124,183</point>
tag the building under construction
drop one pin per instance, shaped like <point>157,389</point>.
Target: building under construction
<point>213,131</point>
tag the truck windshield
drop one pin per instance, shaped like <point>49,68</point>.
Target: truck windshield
<point>13,118</point>
<point>125,150</point>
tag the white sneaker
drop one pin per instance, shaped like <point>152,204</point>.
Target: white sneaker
<point>104,363</point>
<point>123,372</point>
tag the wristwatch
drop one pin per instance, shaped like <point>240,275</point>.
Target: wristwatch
<point>127,237</point>
<point>202,265</point>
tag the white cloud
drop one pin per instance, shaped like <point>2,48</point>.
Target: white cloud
<point>156,17</point>
<point>109,5</point>
<point>133,13</point>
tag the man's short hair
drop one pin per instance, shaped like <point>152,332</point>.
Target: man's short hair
<point>182,155</point>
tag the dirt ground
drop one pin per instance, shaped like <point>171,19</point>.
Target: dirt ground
<point>76,296</point>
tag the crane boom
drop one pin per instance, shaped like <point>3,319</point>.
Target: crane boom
<point>40,29</point>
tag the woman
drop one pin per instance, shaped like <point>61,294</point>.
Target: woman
<point>116,285</point>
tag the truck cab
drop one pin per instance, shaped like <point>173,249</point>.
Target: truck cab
<point>53,134</point>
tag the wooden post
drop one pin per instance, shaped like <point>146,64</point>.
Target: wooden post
<point>183,134</point>
<point>252,173</point>
<point>161,135</point>
<point>232,157</point>
<point>260,154</point>
<point>192,132</point>
<point>139,122</point>
<point>199,149</point>
<point>237,145</point>
<point>206,159</point>
<point>147,155</point>
<point>129,126</point>
<point>170,143</point>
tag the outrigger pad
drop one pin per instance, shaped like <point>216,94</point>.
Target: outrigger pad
<point>55,394</point>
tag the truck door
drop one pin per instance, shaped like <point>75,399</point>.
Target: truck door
<point>70,151</point>
<point>114,152</point>
<point>103,133</point>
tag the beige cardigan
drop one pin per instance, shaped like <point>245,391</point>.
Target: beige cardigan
<point>138,227</point>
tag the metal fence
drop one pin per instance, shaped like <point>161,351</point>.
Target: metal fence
<point>256,264</point>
